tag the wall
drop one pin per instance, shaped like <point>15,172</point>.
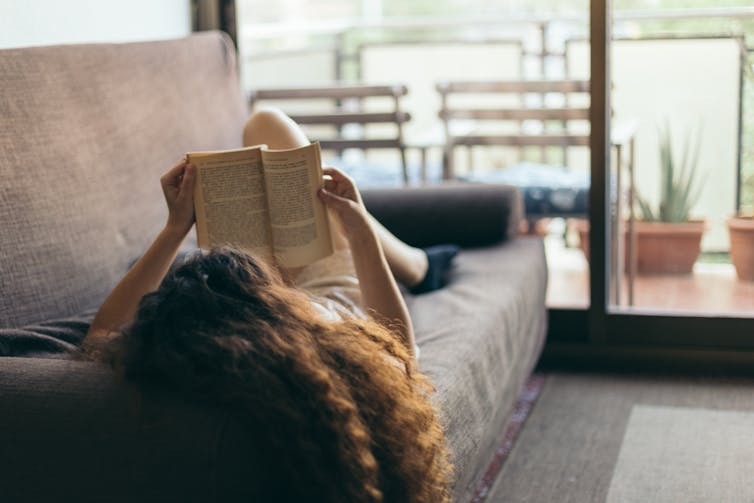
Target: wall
<point>48,22</point>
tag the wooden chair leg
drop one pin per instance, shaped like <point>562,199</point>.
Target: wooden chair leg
<point>404,165</point>
<point>448,170</point>
<point>423,151</point>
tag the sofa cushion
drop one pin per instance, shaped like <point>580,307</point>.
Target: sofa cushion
<point>76,433</point>
<point>480,337</point>
<point>466,214</point>
<point>85,133</point>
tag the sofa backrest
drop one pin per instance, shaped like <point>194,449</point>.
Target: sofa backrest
<point>85,133</point>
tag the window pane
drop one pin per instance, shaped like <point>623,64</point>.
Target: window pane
<point>683,76</point>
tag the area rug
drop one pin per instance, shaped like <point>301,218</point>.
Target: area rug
<point>682,454</point>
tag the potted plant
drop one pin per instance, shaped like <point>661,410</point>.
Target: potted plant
<point>668,241</point>
<point>741,233</point>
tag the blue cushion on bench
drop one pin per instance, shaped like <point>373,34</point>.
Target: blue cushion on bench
<point>548,190</point>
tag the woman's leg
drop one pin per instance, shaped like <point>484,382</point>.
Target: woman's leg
<point>273,128</point>
<point>408,264</point>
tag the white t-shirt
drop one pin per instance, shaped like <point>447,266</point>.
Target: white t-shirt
<point>334,288</point>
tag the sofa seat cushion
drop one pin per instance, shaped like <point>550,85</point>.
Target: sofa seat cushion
<point>480,337</point>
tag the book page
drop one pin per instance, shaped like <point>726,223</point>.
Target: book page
<point>230,202</point>
<point>298,219</point>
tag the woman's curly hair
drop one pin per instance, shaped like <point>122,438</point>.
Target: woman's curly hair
<point>339,409</point>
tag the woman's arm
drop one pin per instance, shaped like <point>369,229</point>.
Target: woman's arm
<point>146,275</point>
<point>379,289</point>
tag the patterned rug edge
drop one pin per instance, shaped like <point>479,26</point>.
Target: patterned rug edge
<point>524,405</point>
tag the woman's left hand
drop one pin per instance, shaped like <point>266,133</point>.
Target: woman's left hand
<point>178,188</point>
<point>342,197</point>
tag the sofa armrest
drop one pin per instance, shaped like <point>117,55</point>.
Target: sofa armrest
<point>466,214</point>
<point>74,431</point>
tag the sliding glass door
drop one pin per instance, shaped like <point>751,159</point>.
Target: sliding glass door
<point>674,86</point>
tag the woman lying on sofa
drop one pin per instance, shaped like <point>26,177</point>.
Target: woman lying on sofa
<point>319,361</point>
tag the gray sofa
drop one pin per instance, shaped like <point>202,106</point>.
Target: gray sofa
<point>85,133</point>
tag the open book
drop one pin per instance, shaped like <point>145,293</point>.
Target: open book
<point>263,201</point>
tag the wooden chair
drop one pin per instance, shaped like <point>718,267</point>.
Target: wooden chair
<point>555,122</point>
<point>563,125</point>
<point>420,64</point>
<point>337,108</point>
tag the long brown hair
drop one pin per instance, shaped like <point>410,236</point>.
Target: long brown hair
<point>340,408</point>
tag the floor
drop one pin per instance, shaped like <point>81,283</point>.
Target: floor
<point>711,289</point>
<point>570,443</point>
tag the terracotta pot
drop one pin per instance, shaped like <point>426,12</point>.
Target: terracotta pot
<point>741,231</point>
<point>668,248</point>
<point>582,227</point>
<point>536,228</point>
<point>661,248</point>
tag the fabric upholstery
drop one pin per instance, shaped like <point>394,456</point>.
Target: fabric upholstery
<point>480,337</point>
<point>465,214</point>
<point>85,133</point>
<point>48,339</point>
<point>61,338</point>
<point>79,434</point>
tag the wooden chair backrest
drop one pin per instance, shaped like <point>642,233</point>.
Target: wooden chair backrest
<point>554,120</point>
<point>522,88</point>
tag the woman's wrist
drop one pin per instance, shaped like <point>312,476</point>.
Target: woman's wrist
<point>175,232</point>
<point>361,235</point>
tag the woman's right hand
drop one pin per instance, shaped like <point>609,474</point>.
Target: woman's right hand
<point>178,188</point>
<point>342,197</point>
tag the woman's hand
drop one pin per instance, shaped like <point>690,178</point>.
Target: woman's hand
<point>178,187</point>
<point>342,197</point>
<point>379,291</point>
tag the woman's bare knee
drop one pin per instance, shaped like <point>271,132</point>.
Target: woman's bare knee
<point>272,127</point>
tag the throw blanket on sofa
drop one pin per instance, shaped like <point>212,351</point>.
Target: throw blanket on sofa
<point>49,339</point>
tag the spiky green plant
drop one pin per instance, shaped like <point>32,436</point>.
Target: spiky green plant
<point>747,196</point>
<point>679,190</point>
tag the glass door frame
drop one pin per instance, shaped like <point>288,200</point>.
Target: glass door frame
<point>598,325</point>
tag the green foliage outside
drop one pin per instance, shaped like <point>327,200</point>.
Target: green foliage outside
<point>747,147</point>
<point>679,186</point>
